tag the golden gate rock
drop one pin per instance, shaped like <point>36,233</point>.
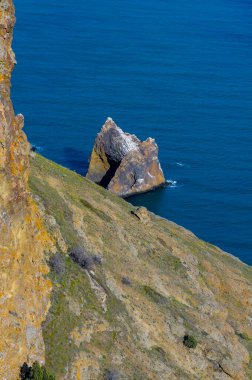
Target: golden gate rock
<point>123,164</point>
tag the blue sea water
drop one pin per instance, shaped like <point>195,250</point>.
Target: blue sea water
<point>176,70</point>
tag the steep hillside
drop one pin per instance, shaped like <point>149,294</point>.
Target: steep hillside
<point>141,286</point>
<point>24,292</point>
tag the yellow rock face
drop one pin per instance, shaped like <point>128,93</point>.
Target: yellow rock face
<point>24,291</point>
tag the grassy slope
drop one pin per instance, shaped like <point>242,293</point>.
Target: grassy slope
<point>177,288</point>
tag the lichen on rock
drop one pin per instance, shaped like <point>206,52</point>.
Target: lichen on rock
<point>24,292</point>
<point>122,163</point>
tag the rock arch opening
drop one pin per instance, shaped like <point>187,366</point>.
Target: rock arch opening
<point>113,166</point>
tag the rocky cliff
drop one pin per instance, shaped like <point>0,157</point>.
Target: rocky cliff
<point>123,164</point>
<point>24,292</point>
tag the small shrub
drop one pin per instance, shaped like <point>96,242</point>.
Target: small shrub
<point>159,352</point>
<point>243,336</point>
<point>97,260</point>
<point>189,341</point>
<point>111,375</point>
<point>80,257</point>
<point>57,263</point>
<point>76,254</point>
<point>155,296</point>
<point>175,263</point>
<point>35,372</point>
<point>87,262</point>
<point>149,252</point>
<point>126,281</point>
<point>25,372</point>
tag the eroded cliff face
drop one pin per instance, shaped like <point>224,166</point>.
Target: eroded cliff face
<point>24,292</point>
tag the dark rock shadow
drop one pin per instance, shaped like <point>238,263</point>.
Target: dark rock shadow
<point>113,166</point>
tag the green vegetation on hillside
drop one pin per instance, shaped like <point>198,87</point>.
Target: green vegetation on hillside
<point>35,372</point>
<point>129,296</point>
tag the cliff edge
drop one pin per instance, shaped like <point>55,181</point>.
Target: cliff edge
<point>24,292</point>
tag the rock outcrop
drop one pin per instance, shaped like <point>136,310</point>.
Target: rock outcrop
<point>122,163</point>
<point>24,293</point>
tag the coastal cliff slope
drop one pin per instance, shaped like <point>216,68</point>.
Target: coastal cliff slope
<point>24,292</point>
<point>150,284</point>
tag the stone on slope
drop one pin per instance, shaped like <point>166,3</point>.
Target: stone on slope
<point>122,163</point>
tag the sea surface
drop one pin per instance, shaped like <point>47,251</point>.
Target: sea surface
<point>176,70</point>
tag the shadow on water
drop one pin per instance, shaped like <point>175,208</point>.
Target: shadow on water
<point>75,160</point>
<point>155,197</point>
